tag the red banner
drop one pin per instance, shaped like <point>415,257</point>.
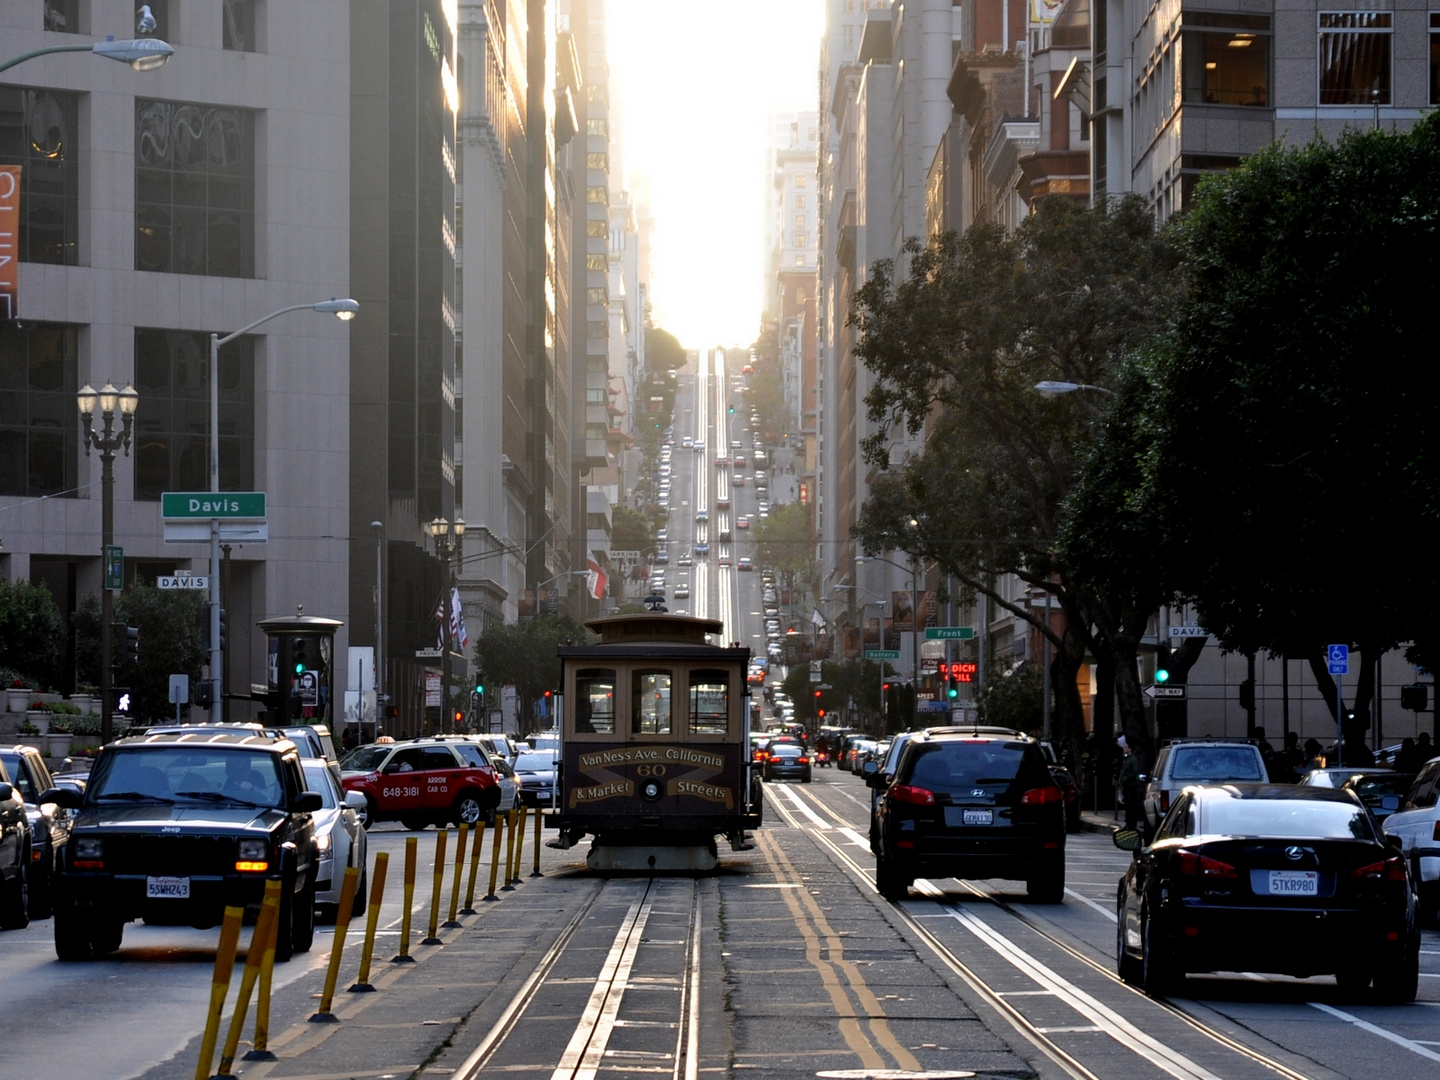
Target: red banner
<point>9,242</point>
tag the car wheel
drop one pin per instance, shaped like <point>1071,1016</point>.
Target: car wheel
<point>106,935</point>
<point>1157,974</point>
<point>326,914</point>
<point>891,880</point>
<point>1398,983</point>
<point>15,902</point>
<point>1428,893</point>
<point>1353,980</point>
<point>1046,882</point>
<point>362,896</point>
<point>415,824</point>
<point>72,935</point>
<point>302,921</point>
<point>1126,966</point>
<point>369,815</point>
<point>467,809</point>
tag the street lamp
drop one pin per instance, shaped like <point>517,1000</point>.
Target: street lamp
<point>880,606</point>
<point>1053,388</point>
<point>107,440</point>
<point>447,543</point>
<point>142,54</point>
<point>343,309</point>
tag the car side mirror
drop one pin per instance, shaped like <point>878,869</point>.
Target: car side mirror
<point>69,798</point>
<point>1128,839</point>
<point>307,802</point>
<point>1395,843</point>
<point>393,767</point>
<point>869,768</point>
<point>355,800</point>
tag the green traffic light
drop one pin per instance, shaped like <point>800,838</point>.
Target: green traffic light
<point>299,669</point>
<point>953,692</point>
<point>1161,675</point>
<point>479,689</point>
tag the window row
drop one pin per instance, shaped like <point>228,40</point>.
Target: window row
<point>238,22</point>
<point>645,702</point>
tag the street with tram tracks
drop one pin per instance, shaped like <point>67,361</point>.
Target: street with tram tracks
<point>784,962</point>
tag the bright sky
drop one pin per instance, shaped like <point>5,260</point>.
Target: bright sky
<point>695,84</point>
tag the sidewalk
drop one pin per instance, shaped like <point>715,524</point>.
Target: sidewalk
<point>1100,821</point>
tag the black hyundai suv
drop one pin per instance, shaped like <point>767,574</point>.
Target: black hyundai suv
<point>174,828</point>
<point>970,806</point>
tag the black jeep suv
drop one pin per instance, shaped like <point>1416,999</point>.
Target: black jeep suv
<point>175,828</point>
<point>970,806</point>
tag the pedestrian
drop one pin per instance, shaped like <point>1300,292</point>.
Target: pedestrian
<point>1132,789</point>
<point>1314,757</point>
<point>1290,762</point>
<point>1423,747</point>
<point>1408,759</point>
<point>1267,752</point>
<point>348,741</point>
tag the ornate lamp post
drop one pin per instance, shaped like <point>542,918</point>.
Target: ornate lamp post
<point>447,543</point>
<point>107,440</point>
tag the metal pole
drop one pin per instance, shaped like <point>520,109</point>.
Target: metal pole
<point>443,541</point>
<point>107,602</point>
<point>379,622</point>
<point>1045,670</point>
<point>216,708</point>
<point>1339,720</point>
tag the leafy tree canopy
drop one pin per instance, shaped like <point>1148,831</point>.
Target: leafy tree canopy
<point>630,530</point>
<point>32,633</point>
<point>663,350</point>
<point>1295,468</point>
<point>784,544</point>
<point>524,654</point>
<point>172,642</point>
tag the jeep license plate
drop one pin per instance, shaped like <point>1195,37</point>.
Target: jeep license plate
<point>167,888</point>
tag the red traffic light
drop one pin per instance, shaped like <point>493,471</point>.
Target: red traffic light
<point>817,695</point>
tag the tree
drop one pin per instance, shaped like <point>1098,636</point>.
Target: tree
<point>524,655</point>
<point>172,642</point>
<point>957,348</point>
<point>1015,700</point>
<point>32,633</point>
<point>663,351</point>
<point>1294,473</point>
<point>630,530</point>
<point>784,544</point>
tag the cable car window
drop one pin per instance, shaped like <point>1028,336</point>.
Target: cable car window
<point>650,707</point>
<point>595,701</point>
<point>709,702</point>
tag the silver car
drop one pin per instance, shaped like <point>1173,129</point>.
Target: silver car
<point>535,773</point>
<point>340,839</point>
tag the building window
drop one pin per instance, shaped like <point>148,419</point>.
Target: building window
<point>597,396</point>
<point>799,181</point>
<point>62,16</point>
<point>600,295</point>
<point>1434,58</point>
<point>1355,49</point>
<point>800,202</point>
<point>172,424</point>
<point>799,239</point>
<point>594,261</point>
<point>597,329</point>
<point>799,221</point>
<point>597,125</point>
<point>1226,59</point>
<point>38,132</point>
<point>238,22</point>
<point>598,195</point>
<point>597,161</point>
<point>597,229</point>
<point>39,443</point>
<point>194,189</point>
<point>597,92</point>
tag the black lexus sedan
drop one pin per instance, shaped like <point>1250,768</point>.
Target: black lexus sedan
<point>1268,877</point>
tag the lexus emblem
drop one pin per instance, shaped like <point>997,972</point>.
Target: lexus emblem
<point>978,792</point>
<point>1294,853</point>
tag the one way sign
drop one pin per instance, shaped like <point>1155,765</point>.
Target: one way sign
<point>1153,692</point>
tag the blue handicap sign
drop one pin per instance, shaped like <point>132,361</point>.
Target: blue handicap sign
<point>1338,657</point>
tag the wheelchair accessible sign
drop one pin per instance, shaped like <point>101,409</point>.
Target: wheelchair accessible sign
<point>1338,657</point>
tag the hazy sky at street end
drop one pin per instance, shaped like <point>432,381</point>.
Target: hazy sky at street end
<point>695,86</point>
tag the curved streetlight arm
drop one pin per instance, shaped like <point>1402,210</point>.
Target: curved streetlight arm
<point>143,54</point>
<point>1054,388</point>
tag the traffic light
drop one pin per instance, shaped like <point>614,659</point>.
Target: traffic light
<point>222,629</point>
<point>1415,697</point>
<point>297,655</point>
<point>952,691</point>
<point>480,688</point>
<point>203,696</point>
<point>130,649</point>
<point>1162,676</point>
<point>459,717</point>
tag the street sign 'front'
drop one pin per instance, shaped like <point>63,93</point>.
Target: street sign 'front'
<point>208,504</point>
<point>1338,657</point>
<point>950,633</point>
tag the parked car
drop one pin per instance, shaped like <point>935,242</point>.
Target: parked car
<point>1239,877</point>
<point>1182,762</point>
<point>15,841</point>
<point>1335,776</point>
<point>339,841</point>
<point>174,828</point>
<point>1381,790</point>
<point>1416,825</point>
<point>969,806</point>
<point>49,822</point>
<point>423,782</point>
<point>746,563</point>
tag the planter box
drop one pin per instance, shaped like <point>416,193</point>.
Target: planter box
<point>84,702</point>
<point>39,719</point>
<point>17,701</point>
<point>84,742</point>
<point>48,699</point>
<point>58,746</point>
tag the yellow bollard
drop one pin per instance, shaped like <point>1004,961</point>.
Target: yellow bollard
<point>459,873</point>
<point>260,1045</point>
<point>337,948</point>
<point>495,855</point>
<point>372,921</point>
<point>219,987</point>
<point>469,908</point>
<point>535,872</point>
<point>441,839</point>
<point>262,935</point>
<point>412,847</point>
<point>519,846</point>
<point>509,849</point>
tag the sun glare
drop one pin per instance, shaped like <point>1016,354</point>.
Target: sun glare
<point>697,87</point>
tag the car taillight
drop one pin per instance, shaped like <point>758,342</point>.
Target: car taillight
<point>1164,801</point>
<point>1392,869</point>
<point>1193,864</point>
<point>915,796</point>
<point>1435,834</point>
<point>802,761</point>
<point>1041,795</point>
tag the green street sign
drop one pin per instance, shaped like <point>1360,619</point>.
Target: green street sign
<point>949,633</point>
<point>882,654</point>
<point>114,567</point>
<point>180,505</point>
